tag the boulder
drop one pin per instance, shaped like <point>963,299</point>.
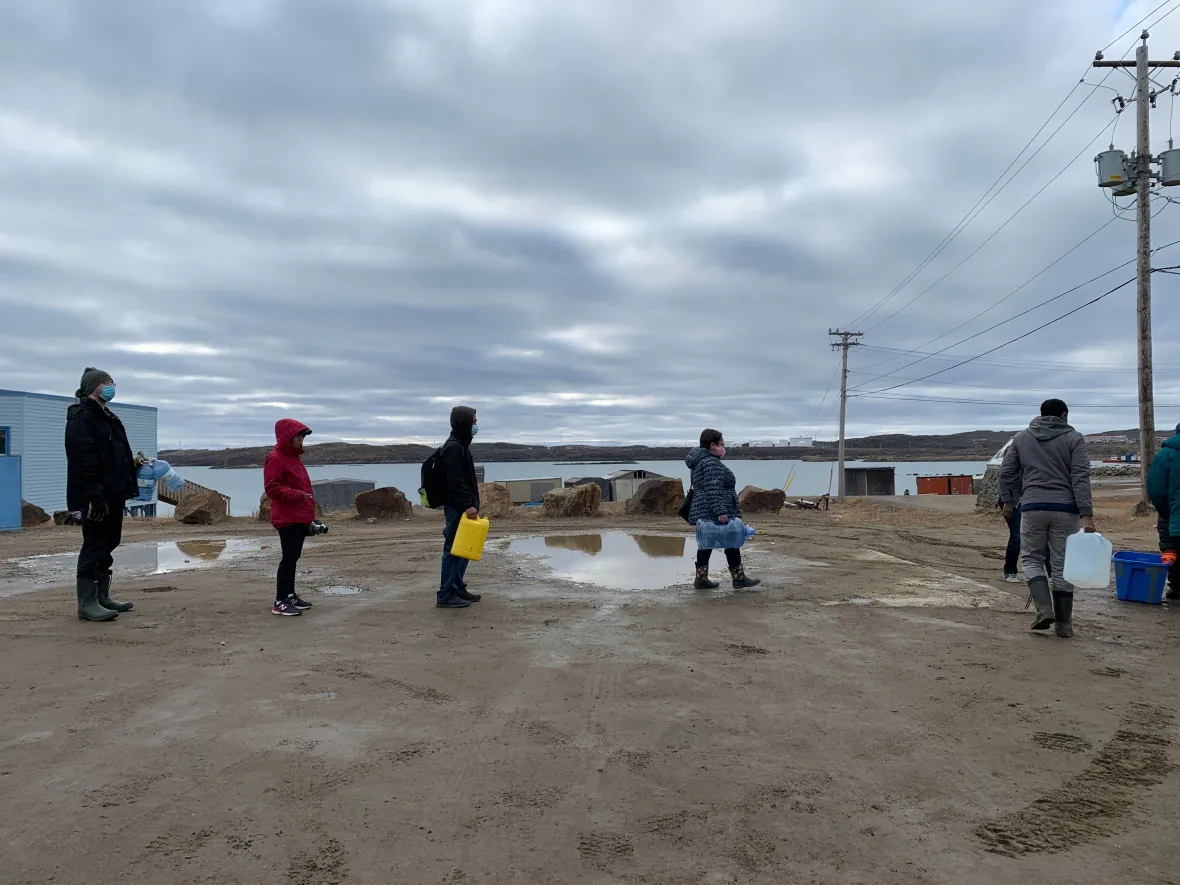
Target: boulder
<point>662,496</point>
<point>264,510</point>
<point>201,508</point>
<point>31,515</point>
<point>987,492</point>
<point>64,517</point>
<point>755,500</point>
<point>572,502</point>
<point>384,503</point>
<point>494,500</point>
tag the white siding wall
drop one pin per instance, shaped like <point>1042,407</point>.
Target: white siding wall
<point>38,429</point>
<point>44,452</point>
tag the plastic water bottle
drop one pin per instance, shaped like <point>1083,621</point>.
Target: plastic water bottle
<point>170,477</point>
<point>729,536</point>
<point>145,479</point>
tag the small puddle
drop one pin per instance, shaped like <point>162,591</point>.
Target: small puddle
<point>614,560</point>
<point>340,591</point>
<point>131,560</point>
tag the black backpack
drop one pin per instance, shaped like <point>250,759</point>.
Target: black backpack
<point>433,492</point>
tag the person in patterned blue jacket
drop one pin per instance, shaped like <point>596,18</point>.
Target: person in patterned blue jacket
<point>714,497</point>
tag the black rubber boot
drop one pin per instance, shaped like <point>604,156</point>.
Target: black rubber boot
<point>104,597</point>
<point>702,582</point>
<point>1038,588</point>
<point>88,607</point>
<point>740,581</point>
<point>1063,613</point>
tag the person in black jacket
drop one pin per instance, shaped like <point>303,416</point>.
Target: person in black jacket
<point>100,479</point>
<point>462,500</point>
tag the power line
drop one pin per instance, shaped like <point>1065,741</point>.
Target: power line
<point>980,204</point>
<point>991,402</point>
<point>1015,317</point>
<point>1007,221</point>
<point>1006,343</point>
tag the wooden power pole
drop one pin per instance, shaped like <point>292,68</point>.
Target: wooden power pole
<point>846,341</point>
<point>1142,161</point>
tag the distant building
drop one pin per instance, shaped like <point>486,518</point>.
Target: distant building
<point>801,442</point>
<point>33,428</point>
<point>1108,438</point>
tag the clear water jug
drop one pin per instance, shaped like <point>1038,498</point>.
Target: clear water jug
<point>1087,561</point>
<point>148,473</point>
<point>716,536</point>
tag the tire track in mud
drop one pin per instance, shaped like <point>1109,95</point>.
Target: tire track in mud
<point>1093,804</point>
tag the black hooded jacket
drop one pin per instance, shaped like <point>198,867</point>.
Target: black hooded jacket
<point>100,464</point>
<point>462,487</point>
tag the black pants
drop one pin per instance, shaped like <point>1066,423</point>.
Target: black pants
<point>1167,542</point>
<point>99,540</point>
<point>733,557</point>
<point>1012,553</point>
<point>291,538</point>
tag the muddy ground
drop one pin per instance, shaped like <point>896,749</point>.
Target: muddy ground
<point>877,713</point>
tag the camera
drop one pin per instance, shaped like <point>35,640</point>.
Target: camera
<point>317,528</point>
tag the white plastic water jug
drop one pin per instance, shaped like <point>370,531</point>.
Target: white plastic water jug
<point>1087,561</point>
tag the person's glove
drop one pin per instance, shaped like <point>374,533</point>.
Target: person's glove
<point>97,511</point>
<point>1169,558</point>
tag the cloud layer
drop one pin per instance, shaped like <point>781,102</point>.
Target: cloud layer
<point>594,220</point>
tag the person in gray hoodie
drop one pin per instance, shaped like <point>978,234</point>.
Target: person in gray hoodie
<point>1047,474</point>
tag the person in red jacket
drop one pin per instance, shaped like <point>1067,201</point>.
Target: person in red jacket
<point>292,509</point>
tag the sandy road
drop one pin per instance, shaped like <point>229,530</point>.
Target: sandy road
<point>878,714</point>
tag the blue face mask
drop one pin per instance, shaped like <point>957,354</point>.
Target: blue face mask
<point>474,429</point>
<point>107,392</point>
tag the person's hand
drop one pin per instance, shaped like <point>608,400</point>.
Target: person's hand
<point>1008,512</point>
<point>723,518</point>
<point>1088,525</point>
<point>1168,557</point>
<point>471,513</point>
<point>97,511</point>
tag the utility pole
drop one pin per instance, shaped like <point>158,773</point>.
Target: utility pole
<point>846,341</point>
<point>1138,174</point>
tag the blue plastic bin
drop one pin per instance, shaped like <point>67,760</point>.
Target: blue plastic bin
<point>1139,577</point>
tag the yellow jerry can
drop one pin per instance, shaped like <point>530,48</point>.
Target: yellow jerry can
<point>470,538</point>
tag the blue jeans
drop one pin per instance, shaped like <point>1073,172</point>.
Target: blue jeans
<point>453,567</point>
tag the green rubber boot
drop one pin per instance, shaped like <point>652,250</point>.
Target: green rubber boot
<point>88,607</point>
<point>104,597</point>
<point>1038,588</point>
<point>1063,613</point>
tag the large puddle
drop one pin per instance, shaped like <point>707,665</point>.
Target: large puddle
<point>133,560</point>
<point>614,560</point>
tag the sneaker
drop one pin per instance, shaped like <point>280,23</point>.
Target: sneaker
<point>452,602</point>
<point>294,600</point>
<point>468,597</point>
<point>286,609</point>
<point>1014,579</point>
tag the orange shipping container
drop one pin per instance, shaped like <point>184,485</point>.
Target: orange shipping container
<point>960,485</point>
<point>934,485</point>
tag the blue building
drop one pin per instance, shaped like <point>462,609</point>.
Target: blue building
<point>33,427</point>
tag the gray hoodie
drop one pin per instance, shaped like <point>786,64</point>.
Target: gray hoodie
<point>1047,468</point>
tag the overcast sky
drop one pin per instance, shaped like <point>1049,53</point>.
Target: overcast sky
<point>593,220</point>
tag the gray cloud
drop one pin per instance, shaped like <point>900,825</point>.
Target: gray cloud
<point>600,220</point>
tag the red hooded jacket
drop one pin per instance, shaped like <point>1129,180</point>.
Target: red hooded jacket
<point>286,481</point>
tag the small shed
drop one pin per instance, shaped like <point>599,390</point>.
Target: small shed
<point>479,473</point>
<point>33,427</point>
<point>340,493</point>
<point>530,491</point>
<point>625,483</point>
<point>602,482</point>
<point>945,485</point>
<point>861,482</point>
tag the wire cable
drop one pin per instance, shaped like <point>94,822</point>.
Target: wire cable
<point>989,402</point>
<point>1007,221</point>
<point>1006,343</point>
<point>1016,316</point>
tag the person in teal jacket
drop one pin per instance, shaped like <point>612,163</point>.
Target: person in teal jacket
<point>1163,488</point>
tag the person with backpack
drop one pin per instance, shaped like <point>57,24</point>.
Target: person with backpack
<point>100,478</point>
<point>1163,490</point>
<point>1046,471</point>
<point>292,509</point>
<point>453,480</point>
